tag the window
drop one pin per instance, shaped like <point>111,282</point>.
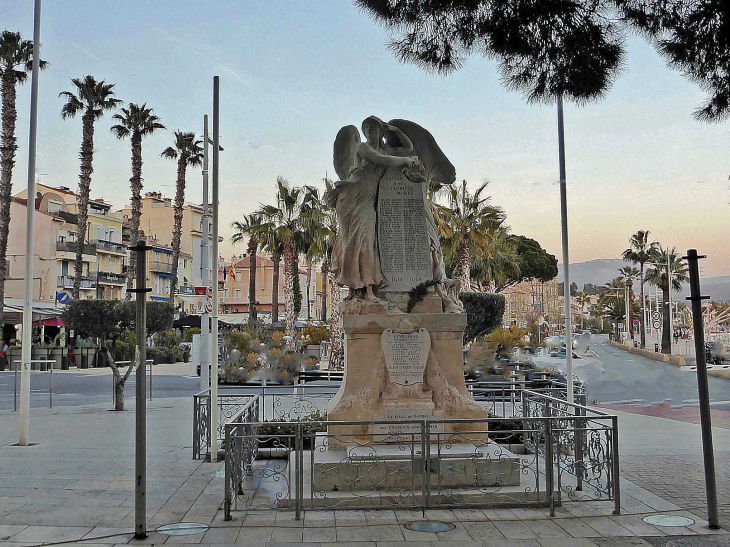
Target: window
<point>54,206</point>
<point>225,293</point>
<point>238,293</point>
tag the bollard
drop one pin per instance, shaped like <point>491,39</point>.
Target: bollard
<point>702,387</point>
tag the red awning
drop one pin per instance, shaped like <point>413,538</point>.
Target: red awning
<point>53,322</point>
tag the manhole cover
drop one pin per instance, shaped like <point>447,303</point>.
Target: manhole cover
<point>220,474</point>
<point>699,541</point>
<point>668,520</point>
<point>430,526</point>
<point>183,529</point>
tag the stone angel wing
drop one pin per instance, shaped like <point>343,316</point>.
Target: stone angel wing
<point>438,167</point>
<point>346,142</point>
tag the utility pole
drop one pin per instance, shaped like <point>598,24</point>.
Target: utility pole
<point>140,444</point>
<point>566,262</point>
<point>214,323</point>
<point>24,417</point>
<point>703,387</point>
<point>205,269</point>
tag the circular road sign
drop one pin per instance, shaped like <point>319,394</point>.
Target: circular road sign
<point>208,305</point>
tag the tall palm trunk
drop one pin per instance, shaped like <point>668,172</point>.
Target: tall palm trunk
<point>253,246</point>
<point>642,320</point>
<point>667,327</point>
<point>276,259</point>
<point>465,263</point>
<point>289,265</point>
<point>8,146</point>
<point>87,168</point>
<point>309,282</point>
<point>337,354</point>
<point>136,185</point>
<point>177,223</point>
<point>325,271</point>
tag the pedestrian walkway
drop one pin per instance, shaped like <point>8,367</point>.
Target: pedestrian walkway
<point>76,485</point>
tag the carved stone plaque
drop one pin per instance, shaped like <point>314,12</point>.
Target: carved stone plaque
<point>405,249</point>
<point>406,355</point>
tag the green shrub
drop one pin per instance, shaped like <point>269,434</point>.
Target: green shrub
<point>316,335</point>
<point>188,336</point>
<point>166,339</point>
<point>484,313</point>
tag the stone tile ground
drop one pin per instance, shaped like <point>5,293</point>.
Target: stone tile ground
<point>76,485</point>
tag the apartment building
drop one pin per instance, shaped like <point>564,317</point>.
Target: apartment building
<point>233,294</point>
<point>55,244</point>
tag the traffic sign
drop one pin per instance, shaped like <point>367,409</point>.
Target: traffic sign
<point>620,326</point>
<point>636,323</point>
<point>63,297</point>
<point>656,316</point>
<point>209,305</point>
<point>657,324</point>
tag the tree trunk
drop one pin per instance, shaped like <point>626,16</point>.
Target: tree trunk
<point>252,248</point>
<point>119,381</point>
<point>177,223</point>
<point>289,273</point>
<point>667,328</point>
<point>8,147</point>
<point>276,259</point>
<point>309,282</point>
<point>87,168</point>
<point>465,263</point>
<point>642,320</point>
<point>337,354</point>
<point>325,271</point>
<point>136,185</point>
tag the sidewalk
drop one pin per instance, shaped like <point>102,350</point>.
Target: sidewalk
<point>77,483</point>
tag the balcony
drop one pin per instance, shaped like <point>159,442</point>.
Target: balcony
<point>110,247</point>
<point>71,246</point>
<point>185,290</point>
<point>111,278</point>
<point>67,282</point>
<point>162,267</point>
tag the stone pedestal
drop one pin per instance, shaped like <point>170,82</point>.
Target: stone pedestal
<point>369,390</point>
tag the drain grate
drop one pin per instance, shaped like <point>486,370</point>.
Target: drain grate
<point>700,541</point>
<point>430,526</point>
<point>182,529</point>
<point>668,520</point>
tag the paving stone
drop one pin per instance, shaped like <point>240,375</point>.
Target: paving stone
<point>51,533</point>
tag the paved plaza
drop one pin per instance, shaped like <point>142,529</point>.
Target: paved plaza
<point>76,485</point>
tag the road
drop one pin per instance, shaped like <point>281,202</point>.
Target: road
<point>617,376</point>
<point>80,388</point>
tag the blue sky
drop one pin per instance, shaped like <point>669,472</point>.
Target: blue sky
<point>293,72</point>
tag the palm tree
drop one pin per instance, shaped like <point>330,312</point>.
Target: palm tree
<point>582,299</point>
<point>640,252</point>
<point>628,274</point>
<point>323,243</point>
<point>495,262</point>
<point>285,220</point>
<point>246,228</point>
<point>16,58</point>
<point>268,239</point>
<point>187,151</point>
<point>135,121</point>
<point>659,274</point>
<point>465,225</point>
<point>93,98</point>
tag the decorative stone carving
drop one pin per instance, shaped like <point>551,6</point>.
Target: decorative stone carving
<point>405,355</point>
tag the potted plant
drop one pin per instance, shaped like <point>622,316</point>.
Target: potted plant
<point>13,354</point>
<point>40,353</point>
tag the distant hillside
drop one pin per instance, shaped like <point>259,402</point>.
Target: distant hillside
<point>597,272</point>
<point>602,270</point>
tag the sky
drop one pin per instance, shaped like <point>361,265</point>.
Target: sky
<point>293,72</point>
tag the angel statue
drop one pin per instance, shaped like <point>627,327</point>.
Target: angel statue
<point>398,152</point>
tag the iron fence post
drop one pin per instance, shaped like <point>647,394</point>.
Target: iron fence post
<point>15,390</point>
<point>579,447</point>
<point>196,417</point>
<point>426,465</point>
<point>549,476</point>
<point>50,389</point>
<point>151,363</point>
<point>228,495</point>
<point>615,466</point>
<point>297,470</point>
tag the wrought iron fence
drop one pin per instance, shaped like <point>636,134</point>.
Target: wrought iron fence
<point>546,450</point>
<point>276,403</point>
<point>229,404</point>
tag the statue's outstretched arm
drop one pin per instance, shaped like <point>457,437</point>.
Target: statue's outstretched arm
<point>368,154</point>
